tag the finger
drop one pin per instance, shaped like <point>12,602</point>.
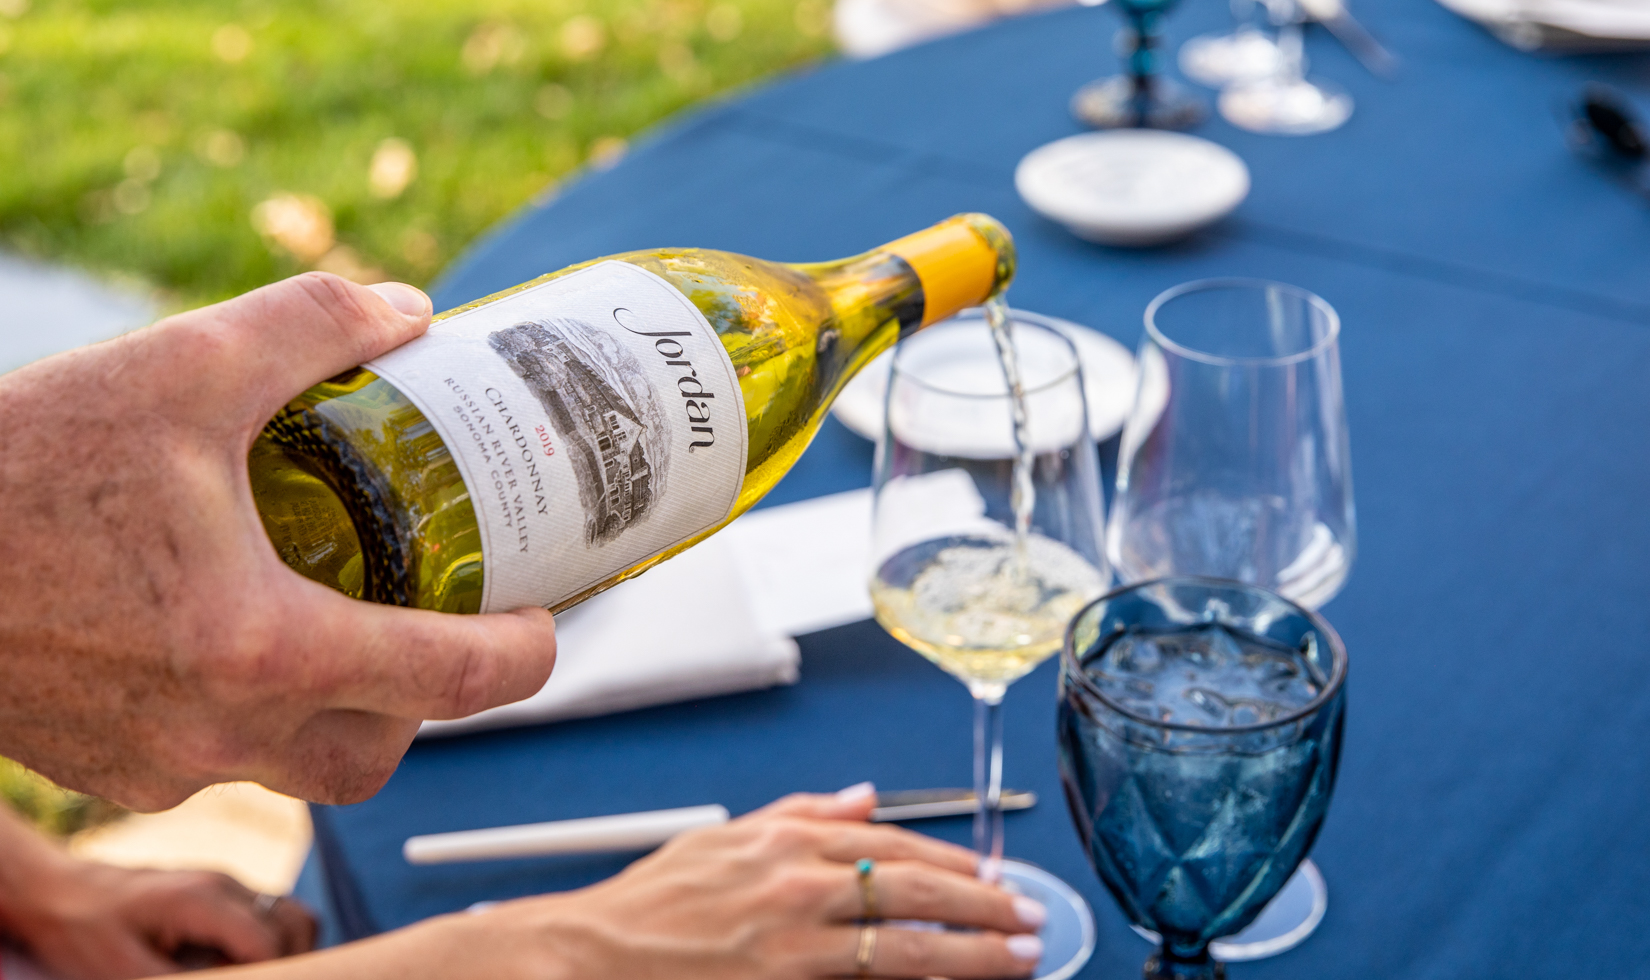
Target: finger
<point>854,803</point>
<point>419,664</point>
<point>294,924</point>
<point>956,955</point>
<point>882,843</point>
<point>131,957</point>
<point>914,890</point>
<point>288,920</point>
<point>279,340</point>
<point>106,949</point>
<point>222,918</point>
<point>208,909</point>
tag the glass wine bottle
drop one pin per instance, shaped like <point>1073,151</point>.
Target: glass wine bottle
<point>546,442</point>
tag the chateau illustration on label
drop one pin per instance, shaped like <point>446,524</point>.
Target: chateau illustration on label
<point>611,426</point>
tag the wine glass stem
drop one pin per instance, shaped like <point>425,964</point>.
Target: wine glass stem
<point>1194,964</point>
<point>1292,47</point>
<point>988,783</point>
<point>1142,61</point>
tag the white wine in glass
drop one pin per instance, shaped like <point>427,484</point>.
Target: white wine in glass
<point>986,609</point>
<point>986,541</point>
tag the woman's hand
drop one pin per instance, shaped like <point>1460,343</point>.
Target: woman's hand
<point>87,921</point>
<point>772,896</point>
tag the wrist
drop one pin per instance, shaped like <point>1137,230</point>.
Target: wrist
<point>543,938</point>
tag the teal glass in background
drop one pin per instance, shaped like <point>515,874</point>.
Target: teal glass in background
<point>1142,96</point>
<point>1200,725</point>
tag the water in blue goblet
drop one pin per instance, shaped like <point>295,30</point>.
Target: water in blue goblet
<point>1200,726</point>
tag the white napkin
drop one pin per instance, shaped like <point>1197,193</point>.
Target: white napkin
<point>714,620</point>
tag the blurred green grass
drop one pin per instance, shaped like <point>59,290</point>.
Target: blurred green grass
<point>204,148</point>
<point>53,809</point>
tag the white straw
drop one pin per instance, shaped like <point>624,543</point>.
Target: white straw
<point>621,832</point>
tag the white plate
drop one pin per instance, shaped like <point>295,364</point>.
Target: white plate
<point>1520,22</point>
<point>1132,186</point>
<point>869,28</point>
<point>1108,380</point>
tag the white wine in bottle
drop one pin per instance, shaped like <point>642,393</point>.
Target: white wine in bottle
<point>544,443</point>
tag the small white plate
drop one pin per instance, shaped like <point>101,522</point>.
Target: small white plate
<point>1520,21</point>
<point>1132,186</point>
<point>1108,380</point>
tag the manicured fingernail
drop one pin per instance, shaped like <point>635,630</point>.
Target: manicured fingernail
<point>404,298</point>
<point>1030,911</point>
<point>856,792</point>
<point>1028,948</point>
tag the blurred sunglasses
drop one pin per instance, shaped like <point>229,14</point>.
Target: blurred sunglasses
<point>1604,127</point>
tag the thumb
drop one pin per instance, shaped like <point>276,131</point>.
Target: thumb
<point>277,341</point>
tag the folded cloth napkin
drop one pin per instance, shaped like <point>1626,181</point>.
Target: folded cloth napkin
<point>715,619</point>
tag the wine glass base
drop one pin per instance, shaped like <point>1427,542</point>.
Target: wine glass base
<point>1218,60</point>
<point>1291,916</point>
<point>1286,107</point>
<point>1110,103</point>
<point>1068,935</point>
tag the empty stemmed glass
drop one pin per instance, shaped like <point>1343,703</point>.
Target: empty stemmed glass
<point>1236,460</point>
<point>1286,102</point>
<point>1200,726</point>
<point>951,576</point>
<point>1142,96</point>
<point>1218,60</point>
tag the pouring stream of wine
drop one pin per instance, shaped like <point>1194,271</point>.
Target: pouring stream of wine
<point>1023,497</point>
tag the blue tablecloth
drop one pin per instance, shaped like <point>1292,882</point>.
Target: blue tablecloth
<point>1494,805</point>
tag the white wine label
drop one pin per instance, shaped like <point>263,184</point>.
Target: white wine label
<point>597,421</point>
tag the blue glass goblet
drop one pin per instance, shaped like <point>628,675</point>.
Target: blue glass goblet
<point>1142,97</point>
<point>1200,727</point>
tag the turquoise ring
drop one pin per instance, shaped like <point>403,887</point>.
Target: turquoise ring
<point>867,891</point>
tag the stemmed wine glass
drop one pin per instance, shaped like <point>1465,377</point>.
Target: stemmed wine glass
<point>1143,96</point>
<point>1285,101</point>
<point>1218,60</point>
<point>1236,463</point>
<point>1200,726</point>
<point>954,577</point>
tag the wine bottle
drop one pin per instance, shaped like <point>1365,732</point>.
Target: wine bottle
<point>546,442</point>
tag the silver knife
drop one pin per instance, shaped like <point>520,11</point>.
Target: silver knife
<point>919,804</point>
<point>1356,39</point>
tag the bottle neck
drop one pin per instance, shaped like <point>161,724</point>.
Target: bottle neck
<point>960,262</point>
<point>915,281</point>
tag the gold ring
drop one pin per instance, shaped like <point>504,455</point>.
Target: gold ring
<point>867,949</point>
<point>867,890</point>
